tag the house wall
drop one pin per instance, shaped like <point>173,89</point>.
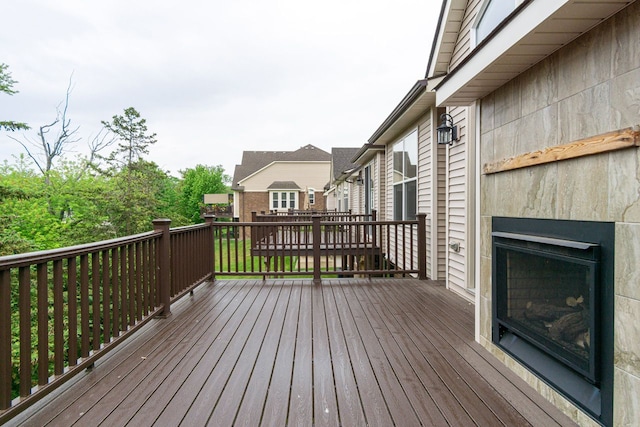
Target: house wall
<point>431,194</point>
<point>457,197</point>
<point>305,174</point>
<point>380,185</point>
<point>251,202</point>
<point>440,211</point>
<point>330,201</point>
<point>590,87</point>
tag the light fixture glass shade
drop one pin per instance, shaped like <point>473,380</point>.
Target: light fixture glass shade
<point>446,132</point>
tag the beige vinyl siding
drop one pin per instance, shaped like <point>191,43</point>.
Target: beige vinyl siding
<point>380,185</point>
<point>441,209</point>
<point>463,44</point>
<point>456,203</point>
<point>388,191</point>
<point>355,197</point>
<point>305,174</point>
<point>425,182</point>
<point>388,202</point>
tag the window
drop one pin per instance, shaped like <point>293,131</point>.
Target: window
<point>312,196</point>
<point>492,13</point>
<point>405,160</point>
<point>282,200</point>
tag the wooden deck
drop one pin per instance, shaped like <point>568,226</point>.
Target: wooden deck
<point>350,352</point>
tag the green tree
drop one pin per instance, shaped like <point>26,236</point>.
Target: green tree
<point>6,86</point>
<point>131,130</point>
<point>135,197</point>
<point>133,190</point>
<point>196,183</point>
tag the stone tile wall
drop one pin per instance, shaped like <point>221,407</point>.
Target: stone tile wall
<point>589,87</point>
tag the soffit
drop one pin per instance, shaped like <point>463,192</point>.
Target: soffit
<point>537,31</point>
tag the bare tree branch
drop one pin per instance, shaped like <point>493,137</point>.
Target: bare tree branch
<point>44,151</point>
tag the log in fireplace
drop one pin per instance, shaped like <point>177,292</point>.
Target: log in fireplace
<point>553,304</point>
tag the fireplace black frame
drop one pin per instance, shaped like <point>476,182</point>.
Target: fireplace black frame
<point>590,389</point>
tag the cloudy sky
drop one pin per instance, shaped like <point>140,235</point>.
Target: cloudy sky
<point>214,78</point>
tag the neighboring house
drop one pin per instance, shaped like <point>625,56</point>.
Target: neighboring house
<point>280,181</point>
<point>341,192</point>
<point>547,95</point>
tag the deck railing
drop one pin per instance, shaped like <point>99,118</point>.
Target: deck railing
<point>61,310</point>
<point>278,246</point>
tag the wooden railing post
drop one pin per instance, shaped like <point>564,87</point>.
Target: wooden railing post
<point>422,246</point>
<point>317,237</point>
<point>164,266</point>
<point>209,220</point>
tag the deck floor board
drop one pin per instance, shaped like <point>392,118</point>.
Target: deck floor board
<point>349,352</point>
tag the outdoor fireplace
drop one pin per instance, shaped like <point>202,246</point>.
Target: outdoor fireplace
<point>553,304</point>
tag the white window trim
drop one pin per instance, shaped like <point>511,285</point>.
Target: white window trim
<point>279,198</point>
<point>480,16</point>
<point>403,182</point>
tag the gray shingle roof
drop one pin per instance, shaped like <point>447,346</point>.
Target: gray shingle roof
<point>284,185</point>
<point>341,160</point>
<point>253,161</point>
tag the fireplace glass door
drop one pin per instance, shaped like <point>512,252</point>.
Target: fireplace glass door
<point>546,294</point>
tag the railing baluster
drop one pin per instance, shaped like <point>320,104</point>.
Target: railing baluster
<point>132,284</point>
<point>95,294</point>
<point>24,301</point>
<point>58,319</point>
<point>106,297</point>
<point>115,286</point>
<point>124,283</point>
<point>237,249</point>
<point>152,271</point>
<point>84,305</point>
<point>317,239</point>
<point>145,279</point>
<point>72,296</point>
<point>139,285</point>
<point>43,324</point>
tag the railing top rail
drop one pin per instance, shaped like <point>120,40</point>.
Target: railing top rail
<point>30,258</point>
<point>310,223</point>
<point>177,230</point>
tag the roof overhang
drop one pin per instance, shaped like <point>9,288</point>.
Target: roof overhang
<point>417,102</point>
<point>446,36</point>
<point>366,153</point>
<point>533,32</point>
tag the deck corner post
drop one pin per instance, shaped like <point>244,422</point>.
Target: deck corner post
<point>422,246</point>
<point>209,219</point>
<point>164,266</point>
<point>317,237</point>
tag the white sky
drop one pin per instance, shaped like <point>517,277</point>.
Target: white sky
<point>214,78</point>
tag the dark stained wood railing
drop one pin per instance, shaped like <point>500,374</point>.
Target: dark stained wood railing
<point>317,246</point>
<point>61,310</point>
<point>191,257</point>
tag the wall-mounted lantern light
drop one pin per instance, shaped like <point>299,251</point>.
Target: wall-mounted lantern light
<point>359,180</point>
<point>447,132</point>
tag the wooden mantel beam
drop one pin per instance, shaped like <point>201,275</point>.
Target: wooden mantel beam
<point>611,141</point>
